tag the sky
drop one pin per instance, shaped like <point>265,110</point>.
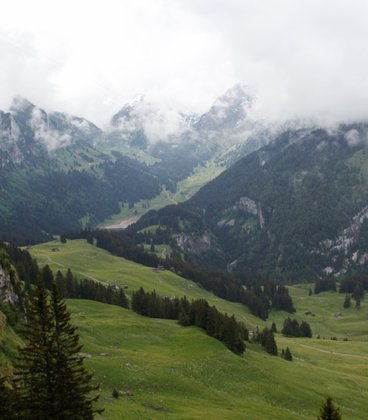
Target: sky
<point>305,59</point>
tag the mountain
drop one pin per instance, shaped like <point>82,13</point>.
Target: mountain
<point>295,209</point>
<point>56,177</point>
<point>60,172</point>
<point>180,142</point>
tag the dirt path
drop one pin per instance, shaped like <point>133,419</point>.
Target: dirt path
<point>122,224</point>
<point>79,272</point>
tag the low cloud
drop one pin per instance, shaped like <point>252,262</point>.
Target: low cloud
<point>304,59</point>
<point>157,124</point>
<point>45,133</point>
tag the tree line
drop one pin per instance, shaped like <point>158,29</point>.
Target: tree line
<point>68,285</point>
<point>197,312</point>
<point>259,294</point>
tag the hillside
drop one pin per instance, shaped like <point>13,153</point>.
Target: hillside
<point>295,209</point>
<point>182,371</point>
<point>189,375</point>
<point>55,177</point>
<point>61,172</point>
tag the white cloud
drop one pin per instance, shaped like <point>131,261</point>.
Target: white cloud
<point>44,133</point>
<point>304,58</point>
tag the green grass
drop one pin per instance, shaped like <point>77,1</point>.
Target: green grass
<point>194,376</point>
<point>88,261</point>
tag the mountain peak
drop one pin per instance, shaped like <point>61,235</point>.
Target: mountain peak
<point>236,95</point>
<point>20,104</point>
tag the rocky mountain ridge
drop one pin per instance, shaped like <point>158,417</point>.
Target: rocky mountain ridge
<point>295,209</point>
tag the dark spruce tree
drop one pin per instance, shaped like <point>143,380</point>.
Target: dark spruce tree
<point>73,385</point>
<point>286,354</point>
<point>328,411</point>
<point>52,381</point>
<point>347,301</point>
<point>34,370</point>
<point>268,341</point>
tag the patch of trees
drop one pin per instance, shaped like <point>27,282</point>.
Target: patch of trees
<point>286,354</point>
<point>281,300</point>
<point>258,294</point>
<point>325,284</point>
<point>267,340</point>
<point>50,379</point>
<point>292,328</point>
<point>69,286</point>
<point>355,287</point>
<point>197,312</point>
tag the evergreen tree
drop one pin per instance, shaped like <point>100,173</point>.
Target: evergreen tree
<point>47,276</point>
<point>288,356</point>
<point>347,301</point>
<point>268,341</point>
<point>273,328</point>
<point>73,384</point>
<point>52,381</point>
<point>184,319</point>
<point>35,369</point>
<point>305,329</point>
<point>328,411</point>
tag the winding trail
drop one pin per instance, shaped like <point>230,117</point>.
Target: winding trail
<point>79,272</point>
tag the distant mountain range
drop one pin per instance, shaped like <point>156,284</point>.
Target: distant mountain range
<point>293,202</point>
<point>60,171</point>
<point>295,209</point>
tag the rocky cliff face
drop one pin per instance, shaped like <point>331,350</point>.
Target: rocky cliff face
<point>7,290</point>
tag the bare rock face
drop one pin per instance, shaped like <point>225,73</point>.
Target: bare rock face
<point>7,290</point>
<point>194,244</point>
<point>248,205</point>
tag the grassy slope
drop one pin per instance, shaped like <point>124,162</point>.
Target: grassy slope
<point>194,376</point>
<point>88,261</point>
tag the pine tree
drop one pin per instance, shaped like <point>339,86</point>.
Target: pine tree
<point>273,328</point>
<point>288,356</point>
<point>35,371</point>
<point>347,301</point>
<point>305,329</point>
<point>73,382</point>
<point>184,319</point>
<point>53,383</point>
<point>47,276</point>
<point>328,411</point>
<point>268,342</point>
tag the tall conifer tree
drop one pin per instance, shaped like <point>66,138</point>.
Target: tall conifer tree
<point>52,381</point>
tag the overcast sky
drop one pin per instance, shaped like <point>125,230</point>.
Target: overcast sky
<point>89,57</point>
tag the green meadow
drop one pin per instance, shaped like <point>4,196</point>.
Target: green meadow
<point>180,373</point>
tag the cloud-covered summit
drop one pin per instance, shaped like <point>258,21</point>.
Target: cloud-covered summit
<point>304,59</point>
